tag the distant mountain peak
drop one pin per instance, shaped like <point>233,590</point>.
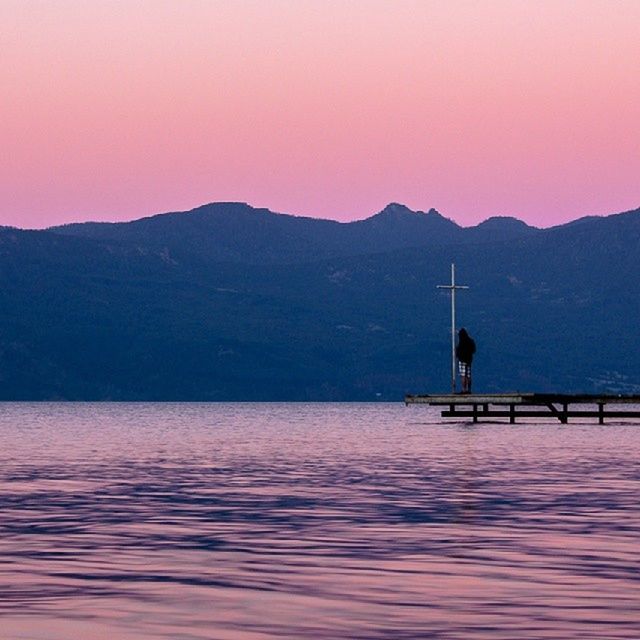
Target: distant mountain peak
<point>503,222</point>
<point>222,206</point>
<point>396,208</point>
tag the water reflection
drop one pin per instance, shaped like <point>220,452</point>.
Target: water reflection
<point>304,521</point>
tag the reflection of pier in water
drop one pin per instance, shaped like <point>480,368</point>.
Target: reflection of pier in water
<point>531,405</point>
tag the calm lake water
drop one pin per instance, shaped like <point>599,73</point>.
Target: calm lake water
<point>207,521</point>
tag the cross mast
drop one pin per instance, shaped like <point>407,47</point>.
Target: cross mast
<point>453,287</point>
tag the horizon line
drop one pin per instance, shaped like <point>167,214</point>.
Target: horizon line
<point>308,217</point>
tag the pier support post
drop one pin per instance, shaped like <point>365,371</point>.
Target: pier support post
<point>600,413</point>
<point>512,414</point>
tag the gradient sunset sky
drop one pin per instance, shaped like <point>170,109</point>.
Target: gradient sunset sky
<point>112,110</point>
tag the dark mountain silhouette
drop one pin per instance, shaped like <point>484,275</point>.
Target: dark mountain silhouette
<point>231,231</point>
<point>233,303</point>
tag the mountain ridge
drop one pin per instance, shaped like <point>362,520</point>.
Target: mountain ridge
<point>237,231</point>
<point>196,316</point>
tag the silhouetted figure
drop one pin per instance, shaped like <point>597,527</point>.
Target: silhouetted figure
<point>464,352</point>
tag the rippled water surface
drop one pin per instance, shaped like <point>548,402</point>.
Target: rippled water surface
<point>189,521</point>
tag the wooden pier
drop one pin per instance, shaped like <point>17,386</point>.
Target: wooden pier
<point>531,405</point>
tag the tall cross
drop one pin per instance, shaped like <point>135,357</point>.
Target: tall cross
<point>453,287</point>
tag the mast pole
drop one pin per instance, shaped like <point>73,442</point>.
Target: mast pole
<point>453,328</point>
<point>453,287</point>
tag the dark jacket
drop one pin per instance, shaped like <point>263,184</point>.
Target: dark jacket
<point>466,347</point>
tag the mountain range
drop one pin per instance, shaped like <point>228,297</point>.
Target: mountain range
<point>230,302</point>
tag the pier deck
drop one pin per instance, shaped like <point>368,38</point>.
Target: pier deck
<point>531,405</point>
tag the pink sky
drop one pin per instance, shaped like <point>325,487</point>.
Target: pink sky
<point>116,109</point>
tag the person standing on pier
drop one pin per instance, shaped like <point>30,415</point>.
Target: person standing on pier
<point>464,352</point>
